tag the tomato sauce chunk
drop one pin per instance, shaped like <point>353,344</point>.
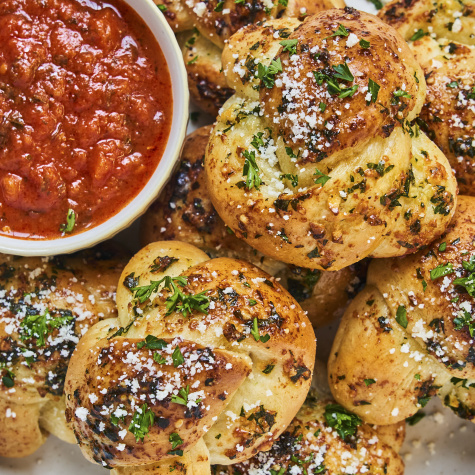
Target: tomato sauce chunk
<point>85,113</point>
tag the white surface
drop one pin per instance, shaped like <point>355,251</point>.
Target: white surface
<point>440,444</point>
<point>162,31</point>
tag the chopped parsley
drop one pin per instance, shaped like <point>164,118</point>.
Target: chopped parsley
<point>9,379</point>
<point>192,61</point>
<point>379,167</point>
<point>267,73</point>
<point>158,358</point>
<point>343,421</point>
<point>322,106</point>
<point>290,152</point>
<point>219,7</point>
<point>251,170</point>
<point>39,326</point>
<point>369,382</point>
<point>442,247</point>
<point>131,281</point>
<point>343,72</point>
<point>176,441</point>
<point>373,89</point>
<point>467,282</point>
<point>177,357</point>
<point>180,302</point>
<point>465,320</point>
<point>400,93</point>
<point>290,46</point>
<point>142,421</point>
<point>377,4</point>
<point>182,396</point>
<point>294,179</point>
<point>255,332</point>
<point>341,31</point>
<point>348,92</point>
<point>70,222</point>
<point>401,316</point>
<point>268,369</point>
<point>257,141</point>
<point>161,264</point>
<point>162,8</point>
<point>453,84</point>
<point>322,178</point>
<point>417,417</point>
<point>418,35</point>
<point>152,343</point>
<point>441,271</point>
<point>456,381</point>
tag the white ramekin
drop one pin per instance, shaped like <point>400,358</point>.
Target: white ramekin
<point>155,20</point>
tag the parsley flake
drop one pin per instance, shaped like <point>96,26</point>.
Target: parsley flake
<point>343,72</point>
<point>401,316</point>
<point>178,301</point>
<point>177,357</point>
<point>294,179</point>
<point>465,320</point>
<point>290,46</point>
<point>418,35</point>
<point>322,178</point>
<point>251,170</point>
<point>340,31</point>
<point>9,379</point>
<point>441,271</point>
<point>152,343</point>
<point>142,421</point>
<point>343,421</point>
<point>267,73</point>
<point>219,7</point>
<point>175,440</point>
<point>255,332</point>
<point>377,4</point>
<point>268,369</point>
<point>39,326</point>
<point>417,417</point>
<point>182,396</point>
<point>373,89</point>
<point>467,282</point>
<point>70,222</point>
<point>401,93</point>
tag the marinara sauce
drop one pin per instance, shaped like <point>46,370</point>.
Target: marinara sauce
<point>85,113</point>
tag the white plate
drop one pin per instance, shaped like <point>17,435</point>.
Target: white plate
<point>440,444</point>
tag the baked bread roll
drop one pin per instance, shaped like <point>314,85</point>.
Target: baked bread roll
<point>318,440</point>
<point>443,41</point>
<point>207,25</point>
<point>454,20</point>
<point>208,362</point>
<point>184,212</point>
<point>311,444</point>
<point>409,335</point>
<point>314,160</point>
<point>47,304</point>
